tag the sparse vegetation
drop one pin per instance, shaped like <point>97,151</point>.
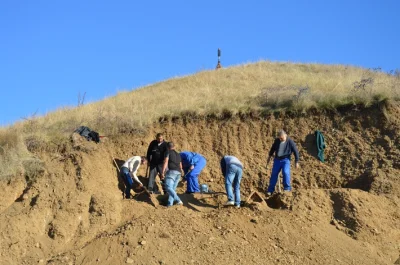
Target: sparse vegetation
<point>12,152</point>
<point>265,86</point>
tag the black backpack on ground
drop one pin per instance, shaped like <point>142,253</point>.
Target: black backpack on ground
<point>88,134</point>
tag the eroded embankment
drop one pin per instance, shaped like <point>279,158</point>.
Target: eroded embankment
<point>78,196</point>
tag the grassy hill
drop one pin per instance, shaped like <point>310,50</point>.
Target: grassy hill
<point>263,86</point>
<point>62,202</point>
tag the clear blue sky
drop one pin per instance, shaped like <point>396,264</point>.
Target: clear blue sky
<point>50,51</point>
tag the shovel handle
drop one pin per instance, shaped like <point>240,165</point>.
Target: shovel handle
<point>116,165</point>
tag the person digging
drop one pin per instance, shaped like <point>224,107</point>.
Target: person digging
<point>193,164</point>
<point>283,147</point>
<point>232,169</point>
<point>128,173</point>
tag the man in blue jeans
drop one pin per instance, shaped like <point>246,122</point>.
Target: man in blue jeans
<point>282,147</point>
<point>128,173</point>
<point>232,170</point>
<point>171,178</point>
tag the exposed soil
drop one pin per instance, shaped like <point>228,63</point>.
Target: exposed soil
<point>344,211</point>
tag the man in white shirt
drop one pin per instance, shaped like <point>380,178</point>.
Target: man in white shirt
<point>128,173</point>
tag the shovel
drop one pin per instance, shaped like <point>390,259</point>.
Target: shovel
<point>153,198</point>
<point>279,183</point>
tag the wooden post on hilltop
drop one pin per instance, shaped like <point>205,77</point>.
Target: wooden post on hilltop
<point>219,60</point>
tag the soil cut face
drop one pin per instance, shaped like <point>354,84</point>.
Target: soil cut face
<point>344,211</point>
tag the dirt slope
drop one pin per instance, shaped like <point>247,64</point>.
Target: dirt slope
<point>345,211</point>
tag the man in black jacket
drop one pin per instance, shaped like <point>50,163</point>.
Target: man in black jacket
<point>155,155</point>
<point>282,147</point>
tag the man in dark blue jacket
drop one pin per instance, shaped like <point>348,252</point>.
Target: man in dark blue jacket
<point>282,147</point>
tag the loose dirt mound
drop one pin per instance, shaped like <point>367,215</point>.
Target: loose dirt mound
<point>344,211</point>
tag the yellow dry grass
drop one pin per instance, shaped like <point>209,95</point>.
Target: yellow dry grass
<point>263,85</point>
<point>266,86</point>
<point>12,152</point>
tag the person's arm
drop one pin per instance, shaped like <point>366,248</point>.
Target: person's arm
<point>192,161</point>
<point>295,152</point>
<point>181,167</point>
<point>223,166</point>
<point>148,155</point>
<point>164,167</point>
<point>165,164</point>
<point>271,152</point>
<point>183,172</point>
<point>134,166</point>
<point>185,162</point>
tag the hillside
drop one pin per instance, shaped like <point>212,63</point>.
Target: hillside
<point>62,203</point>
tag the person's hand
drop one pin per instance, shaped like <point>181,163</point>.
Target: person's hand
<point>191,168</point>
<point>297,165</point>
<point>267,165</point>
<point>140,185</point>
<point>162,176</point>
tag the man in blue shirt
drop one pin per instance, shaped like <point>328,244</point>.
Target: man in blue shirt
<point>192,164</point>
<point>282,147</point>
<point>232,169</point>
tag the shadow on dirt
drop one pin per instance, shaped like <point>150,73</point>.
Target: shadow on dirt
<point>310,145</point>
<point>121,185</point>
<point>363,182</point>
<point>344,214</point>
<point>197,201</point>
<point>280,201</point>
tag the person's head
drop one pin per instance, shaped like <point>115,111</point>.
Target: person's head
<point>143,160</point>
<point>171,146</point>
<point>160,137</point>
<point>282,135</point>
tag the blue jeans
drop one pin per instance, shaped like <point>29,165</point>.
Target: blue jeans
<point>279,165</point>
<point>171,182</point>
<point>127,180</point>
<point>232,178</point>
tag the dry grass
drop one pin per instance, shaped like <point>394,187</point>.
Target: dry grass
<point>266,86</point>
<point>12,153</point>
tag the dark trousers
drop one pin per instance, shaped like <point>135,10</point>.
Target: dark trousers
<point>154,171</point>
